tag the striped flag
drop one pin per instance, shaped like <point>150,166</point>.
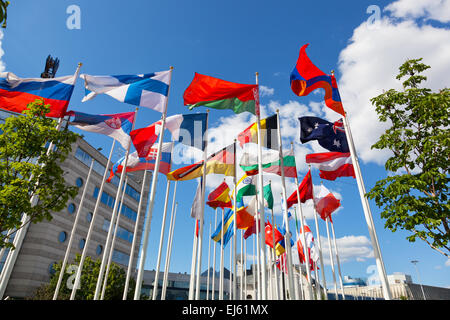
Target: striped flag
<point>227,230</point>
<point>332,165</point>
<point>219,197</point>
<point>16,93</point>
<point>269,133</point>
<point>325,202</point>
<point>271,163</point>
<point>144,90</point>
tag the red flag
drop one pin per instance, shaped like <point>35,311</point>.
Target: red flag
<point>219,197</point>
<point>325,202</point>
<point>269,235</point>
<point>144,138</point>
<point>332,165</point>
<point>305,189</point>
<point>251,230</point>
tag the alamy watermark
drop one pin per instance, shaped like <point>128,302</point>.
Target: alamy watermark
<point>74,19</point>
<point>374,20</point>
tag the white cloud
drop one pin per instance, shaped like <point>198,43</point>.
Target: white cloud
<point>2,64</point>
<point>370,63</point>
<point>429,9</point>
<point>266,91</point>
<point>447,263</point>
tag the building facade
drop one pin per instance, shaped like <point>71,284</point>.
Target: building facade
<point>45,243</point>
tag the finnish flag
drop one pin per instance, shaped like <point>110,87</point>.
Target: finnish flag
<point>144,90</point>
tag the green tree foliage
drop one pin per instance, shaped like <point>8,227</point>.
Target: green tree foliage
<point>91,269</point>
<point>414,196</point>
<point>3,12</point>
<point>26,170</point>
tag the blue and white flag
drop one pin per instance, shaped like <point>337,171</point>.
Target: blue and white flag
<point>188,129</point>
<point>118,126</point>
<point>144,90</point>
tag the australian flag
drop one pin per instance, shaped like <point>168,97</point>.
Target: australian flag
<point>330,135</point>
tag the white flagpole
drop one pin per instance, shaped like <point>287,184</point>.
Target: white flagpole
<point>332,261</point>
<point>169,248</point>
<point>324,282</point>
<point>161,242</point>
<point>209,260</point>
<point>302,292</point>
<point>245,270</point>
<point>193,263</point>
<point>274,255</point>
<point>213,293</point>
<point>91,227</point>
<point>113,243</point>
<point>367,213</point>
<point>72,234</point>
<point>337,258</point>
<point>143,255</point>
<point>241,280</point>
<point>285,214</point>
<point>113,220</point>
<point>261,200</point>
<point>133,245</point>
<point>235,224</point>
<point>230,292</point>
<point>258,264</point>
<point>255,273</point>
<point>221,287</point>
<point>200,239</point>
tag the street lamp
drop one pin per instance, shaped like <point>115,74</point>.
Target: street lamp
<point>414,262</point>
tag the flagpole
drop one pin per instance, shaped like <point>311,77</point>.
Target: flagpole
<point>235,221</point>
<point>200,243</point>
<point>367,212</point>
<point>337,258</point>
<point>113,220</point>
<point>273,266</point>
<point>241,280</point>
<point>213,292</point>
<point>332,261</point>
<point>285,213</point>
<point>230,296</point>
<point>91,227</point>
<point>245,269</point>
<point>261,200</point>
<point>161,242</point>
<point>72,234</point>
<point>133,245</point>
<point>221,288</point>
<point>255,265</point>
<point>299,282</point>
<point>257,236</point>
<point>143,255</point>
<point>193,263</point>
<point>209,260</point>
<point>302,295</point>
<point>113,243</point>
<point>169,250</point>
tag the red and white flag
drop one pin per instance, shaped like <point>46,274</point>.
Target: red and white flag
<point>144,138</point>
<point>325,202</point>
<point>332,164</point>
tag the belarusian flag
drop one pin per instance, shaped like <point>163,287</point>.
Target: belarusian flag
<point>220,94</point>
<point>271,163</point>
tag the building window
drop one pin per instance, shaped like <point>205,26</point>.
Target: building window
<point>82,243</point>
<point>109,201</point>
<point>62,236</point>
<point>89,217</point>
<point>84,157</point>
<point>71,208</point>
<point>121,232</point>
<point>120,257</point>
<point>79,182</point>
<point>99,249</point>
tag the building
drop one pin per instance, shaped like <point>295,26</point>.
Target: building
<point>46,242</point>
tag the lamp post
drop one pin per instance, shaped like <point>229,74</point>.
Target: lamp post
<point>414,262</point>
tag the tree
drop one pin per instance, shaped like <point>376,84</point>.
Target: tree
<point>3,12</point>
<point>88,282</point>
<point>27,170</point>
<point>414,196</point>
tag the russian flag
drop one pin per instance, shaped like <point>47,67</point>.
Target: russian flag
<point>118,126</point>
<point>136,163</point>
<point>332,165</point>
<point>16,93</point>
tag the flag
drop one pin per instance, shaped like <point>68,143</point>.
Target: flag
<point>219,197</point>
<point>135,163</point>
<point>16,93</point>
<point>332,164</point>
<point>221,162</point>
<point>269,133</point>
<point>306,77</point>
<point>244,218</point>
<point>246,186</point>
<point>281,263</point>
<point>305,189</point>
<point>144,90</point>
<point>329,135</point>
<point>144,138</point>
<point>227,230</point>
<point>272,234</point>
<point>271,163</point>
<point>268,200</point>
<point>219,94</point>
<point>188,129</point>
<point>196,209</point>
<point>325,202</point>
<point>310,244</point>
<point>252,229</point>
<point>117,126</point>
<point>280,246</point>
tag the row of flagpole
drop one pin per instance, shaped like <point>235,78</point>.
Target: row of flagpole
<point>261,279</point>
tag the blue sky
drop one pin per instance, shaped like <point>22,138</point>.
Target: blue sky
<point>232,40</point>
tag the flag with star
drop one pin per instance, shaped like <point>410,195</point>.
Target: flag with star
<point>329,135</point>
